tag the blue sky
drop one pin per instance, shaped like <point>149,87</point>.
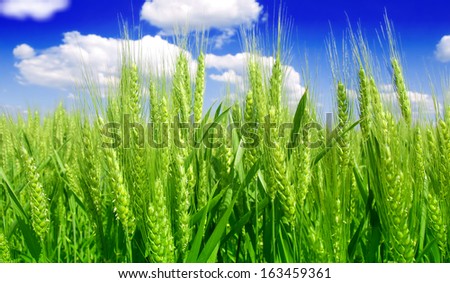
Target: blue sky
<point>42,41</point>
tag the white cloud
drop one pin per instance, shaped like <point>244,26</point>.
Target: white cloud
<point>190,15</point>
<point>23,51</point>
<point>442,52</point>
<point>420,102</point>
<point>223,38</point>
<point>36,9</point>
<point>233,68</point>
<point>62,66</point>
<point>198,14</point>
<point>386,88</point>
<point>229,76</point>
<point>225,62</point>
<point>293,87</point>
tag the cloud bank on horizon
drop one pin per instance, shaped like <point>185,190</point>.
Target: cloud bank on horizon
<point>66,65</point>
<point>39,10</point>
<point>62,66</point>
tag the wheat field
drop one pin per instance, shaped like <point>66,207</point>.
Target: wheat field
<point>145,175</point>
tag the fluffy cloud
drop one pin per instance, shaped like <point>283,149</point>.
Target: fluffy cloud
<point>167,14</point>
<point>228,77</point>
<point>23,51</point>
<point>79,55</point>
<point>293,87</point>
<point>224,16</point>
<point>442,52</point>
<point>233,68</point>
<point>223,38</point>
<point>37,9</point>
<point>226,62</point>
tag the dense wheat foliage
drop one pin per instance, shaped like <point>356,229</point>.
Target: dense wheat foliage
<point>145,175</point>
